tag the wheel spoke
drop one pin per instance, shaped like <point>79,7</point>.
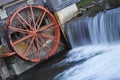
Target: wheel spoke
<point>28,42</point>
<point>54,27</point>
<point>28,48</point>
<point>21,23</point>
<point>49,37</point>
<point>28,15</point>
<point>34,50</point>
<point>38,19</point>
<point>50,28</point>
<point>25,21</point>
<point>37,43</point>
<point>41,20</point>
<point>22,39</point>
<point>46,27</point>
<point>19,30</point>
<point>40,43</point>
<point>45,49</point>
<point>33,18</point>
<point>44,42</point>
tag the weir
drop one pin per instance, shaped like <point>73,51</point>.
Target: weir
<point>103,28</point>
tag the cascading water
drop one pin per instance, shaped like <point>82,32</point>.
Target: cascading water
<point>104,28</point>
<point>96,48</point>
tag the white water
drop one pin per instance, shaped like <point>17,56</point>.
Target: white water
<point>104,66</point>
<point>96,48</point>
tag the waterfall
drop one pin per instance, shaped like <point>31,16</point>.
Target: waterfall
<point>78,33</point>
<point>96,48</point>
<point>104,28</point>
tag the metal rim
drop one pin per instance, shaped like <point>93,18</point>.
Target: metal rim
<point>37,31</point>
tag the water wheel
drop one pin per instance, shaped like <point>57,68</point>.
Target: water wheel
<point>34,33</point>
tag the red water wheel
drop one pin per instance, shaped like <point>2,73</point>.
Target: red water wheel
<point>34,33</point>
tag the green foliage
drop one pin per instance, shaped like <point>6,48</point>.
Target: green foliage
<point>83,3</point>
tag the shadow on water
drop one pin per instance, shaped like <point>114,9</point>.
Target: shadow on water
<point>45,70</point>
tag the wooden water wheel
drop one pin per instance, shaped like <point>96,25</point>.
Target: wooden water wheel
<point>33,33</point>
